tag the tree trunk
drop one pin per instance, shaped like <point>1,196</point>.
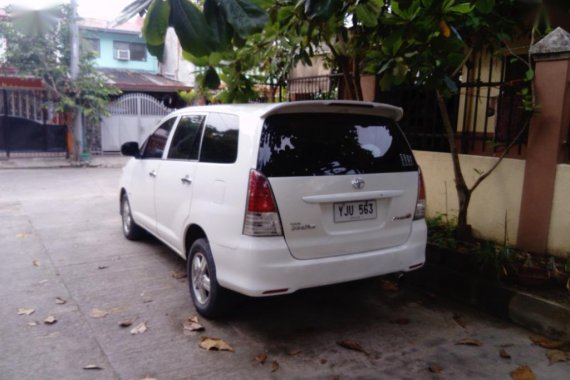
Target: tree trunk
<point>463,192</point>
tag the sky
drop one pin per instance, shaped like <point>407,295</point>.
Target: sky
<point>102,9</point>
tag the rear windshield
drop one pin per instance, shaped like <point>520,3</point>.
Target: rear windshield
<point>318,144</point>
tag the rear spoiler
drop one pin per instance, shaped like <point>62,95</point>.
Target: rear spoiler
<point>343,106</point>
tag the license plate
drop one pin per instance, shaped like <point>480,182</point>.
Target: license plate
<point>351,211</point>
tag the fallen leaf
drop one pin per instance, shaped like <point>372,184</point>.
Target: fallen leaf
<point>192,325</point>
<point>102,267</point>
<point>60,301</point>
<point>98,313</point>
<point>194,319</point>
<point>523,373</point>
<point>545,343</point>
<point>50,320</point>
<point>458,318</point>
<point>32,323</point>
<point>352,345</point>
<point>469,342</point>
<point>434,368</point>
<point>36,263</point>
<point>92,367</point>
<point>504,354</point>
<point>555,356</point>
<point>400,321</point>
<point>178,275</point>
<point>139,329</point>
<point>390,286</point>
<point>148,378</point>
<point>22,235</point>
<point>214,344</point>
<point>25,311</point>
<point>294,352</point>
<point>274,366</point>
<point>147,300</point>
<point>126,323</point>
<point>261,358</point>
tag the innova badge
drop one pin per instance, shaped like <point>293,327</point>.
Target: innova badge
<point>358,183</point>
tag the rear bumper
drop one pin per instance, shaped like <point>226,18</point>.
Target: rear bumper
<point>259,265</point>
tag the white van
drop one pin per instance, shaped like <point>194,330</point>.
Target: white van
<point>267,199</point>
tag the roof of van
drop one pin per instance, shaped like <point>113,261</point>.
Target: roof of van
<point>266,109</point>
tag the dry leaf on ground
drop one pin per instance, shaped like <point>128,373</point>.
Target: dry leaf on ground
<point>545,343</point>
<point>400,321</point>
<point>523,373</point>
<point>294,352</point>
<point>352,345</point>
<point>390,286</point>
<point>434,368</point>
<point>148,378</point>
<point>22,235</point>
<point>92,366</point>
<point>25,311</point>
<point>469,342</point>
<point>32,323</point>
<point>50,320</point>
<point>458,318</point>
<point>555,356</point>
<point>98,313</point>
<point>102,267</point>
<point>178,275</point>
<point>504,354</point>
<point>274,366</point>
<point>192,325</point>
<point>261,358</point>
<point>139,329</point>
<point>60,301</point>
<point>216,344</point>
<point>36,263</point>
<point>126,323</point>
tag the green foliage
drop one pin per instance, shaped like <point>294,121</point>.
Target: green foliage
<point>47,56</point>
<point>498,261</point>
<point>441,231</point>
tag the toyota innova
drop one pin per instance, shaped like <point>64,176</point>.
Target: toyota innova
<point>267,199</point>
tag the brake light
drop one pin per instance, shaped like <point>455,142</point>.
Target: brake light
<point>262,216</point>
<point>420,212</point>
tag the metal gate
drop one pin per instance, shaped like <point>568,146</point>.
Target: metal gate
<point>26,128</point>
<point>133,118</point>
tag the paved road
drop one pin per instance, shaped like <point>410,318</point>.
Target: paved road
<point>60,236</point>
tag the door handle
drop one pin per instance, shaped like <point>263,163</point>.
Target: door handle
<point>152,173</point>
<point>186,180</point>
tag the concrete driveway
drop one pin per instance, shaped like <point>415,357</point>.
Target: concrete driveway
<point>60,236</point>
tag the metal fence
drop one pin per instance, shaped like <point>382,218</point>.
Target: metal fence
<point>486,111</point>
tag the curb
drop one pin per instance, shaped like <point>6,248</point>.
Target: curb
<point>537,314</point>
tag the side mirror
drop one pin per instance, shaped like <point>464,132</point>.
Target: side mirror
<point>130,148</point>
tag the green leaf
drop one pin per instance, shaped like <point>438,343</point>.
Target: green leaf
<point>198,61</point>
<point>221,30</point>
<point>156,22</point>
<point>485,6</point>
<point>451,85</point>
<point>193,32</point>
<point>461,8</point>
<point>529,75</point>
<point>211,78</point>
<point>157,51</point>
<point>366,16</point>
<point>244,16</point>
<point>322,9</point>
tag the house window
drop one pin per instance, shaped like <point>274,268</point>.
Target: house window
<point>92,45</point>
<point>128,51</point>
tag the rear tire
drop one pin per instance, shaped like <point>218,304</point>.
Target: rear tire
<point>131,230</point>
<point>209,298</point>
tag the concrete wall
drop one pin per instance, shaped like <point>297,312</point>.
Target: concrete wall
<point>499,195</point>
<point>559,234</point>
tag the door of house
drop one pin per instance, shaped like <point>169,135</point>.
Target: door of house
<point>133,117</point>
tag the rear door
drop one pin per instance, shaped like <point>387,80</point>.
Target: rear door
<point>343,183</point>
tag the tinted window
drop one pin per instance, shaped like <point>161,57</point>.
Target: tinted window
<point>220,142</point>
<point>186,140</point>
<point>154,145</point>
<point>332,144</point>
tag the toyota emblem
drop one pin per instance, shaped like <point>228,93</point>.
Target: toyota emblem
<point>358,183</point>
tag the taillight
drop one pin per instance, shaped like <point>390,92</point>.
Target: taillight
<point>420,212</point>
<point>262,216</point>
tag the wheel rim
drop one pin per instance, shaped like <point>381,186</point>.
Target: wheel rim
<point>127,219</point>
<point>200,278</point>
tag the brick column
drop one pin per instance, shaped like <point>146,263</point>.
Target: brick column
<point>547,133</point>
